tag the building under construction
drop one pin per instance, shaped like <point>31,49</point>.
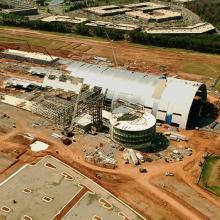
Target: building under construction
<point>132,128</point>
<point>65,108</point>
<point>174,101</point>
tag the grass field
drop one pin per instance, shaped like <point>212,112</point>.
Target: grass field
<point>201,68</point>
<point>177,60</point>
<point>32,41</point>
<point>204,69</point>
<point>210,176</point>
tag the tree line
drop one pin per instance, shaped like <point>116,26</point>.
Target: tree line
<point>21,21</point>
<point>209,43</point>
<point>198,42</point>
<point>71,6</point>
<point>209,10</point>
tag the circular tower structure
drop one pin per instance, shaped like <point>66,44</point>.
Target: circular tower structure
<point>134,129</point>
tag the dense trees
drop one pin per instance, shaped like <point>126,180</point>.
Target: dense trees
<point>21,21</point>
<point>80,4</point>
<point>5,5</point>
<point>204,43</point>
<point>209,10</point>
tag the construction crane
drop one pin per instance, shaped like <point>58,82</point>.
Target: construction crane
<point>113,52</point>
<point>73,121</point>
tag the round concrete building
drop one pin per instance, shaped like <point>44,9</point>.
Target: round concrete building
<point>133,128</point>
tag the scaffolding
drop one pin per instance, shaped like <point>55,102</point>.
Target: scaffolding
<point>96,113</point>
<point>54,108</point>
<point>65,108</point>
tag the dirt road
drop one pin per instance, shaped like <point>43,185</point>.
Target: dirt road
<point>138,190</point>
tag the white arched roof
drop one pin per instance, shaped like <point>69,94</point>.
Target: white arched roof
<point>165,96</point>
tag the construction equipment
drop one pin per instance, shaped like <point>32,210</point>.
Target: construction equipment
<point>169,174</point>
<point>140,157</point>
<point>142,170</point>
<point>93,130</point>
<point>73,121</point>
<point>133,157</point>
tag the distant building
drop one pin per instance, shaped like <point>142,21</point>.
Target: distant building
<point>156,15</point>
<point>28,56</point>
<point>108,10</point>
<point>21,11</point>
<point>110,25</point>
<point>65,19</point>
<point>199,28</point>
<point>146,6</point>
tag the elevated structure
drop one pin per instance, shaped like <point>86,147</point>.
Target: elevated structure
<point>21,11</point>
<point>57,80</point>
<point>170,100</point>
<point>132,128</point>
<point>28,56</point>
<point>199,28</point>
<point>22,83</point>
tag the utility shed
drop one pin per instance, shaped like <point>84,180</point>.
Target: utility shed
<point>169,99</point>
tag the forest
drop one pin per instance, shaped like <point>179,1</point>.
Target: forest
<point>208,10</point>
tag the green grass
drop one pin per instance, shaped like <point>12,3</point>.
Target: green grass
<point>32,41</point>
<point>201,68</point>
<point>195,67</point>
<point>215,189</point>
<point>208,176</point>
<point>217,86</point>
<point>4,27</point>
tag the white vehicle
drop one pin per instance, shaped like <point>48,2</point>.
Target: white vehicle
<point>140,157</point>
<point>169,174</point>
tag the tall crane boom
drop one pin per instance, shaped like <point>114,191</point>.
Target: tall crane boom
<point>76,108</point>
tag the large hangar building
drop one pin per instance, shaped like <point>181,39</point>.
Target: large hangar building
<point>174,101</point>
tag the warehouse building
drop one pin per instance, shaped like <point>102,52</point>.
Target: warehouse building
<point>110,25</point>
<point>174,101</point>
<point>107,10</point>
<point>146,6</point>
<point>28,56</point>
<point>200,28</point>
<point>21,11</point>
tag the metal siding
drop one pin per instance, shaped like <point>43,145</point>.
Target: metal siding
<point>135,87</point>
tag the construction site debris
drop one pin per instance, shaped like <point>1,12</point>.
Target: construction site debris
<point>169,173</point>
<point>178,155</point>
<point>176,136</point>
<point>140,157</point>
<point>102,156</point>
<point>29,136</point>
<point>58,136</point>
<point>133,156</point>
